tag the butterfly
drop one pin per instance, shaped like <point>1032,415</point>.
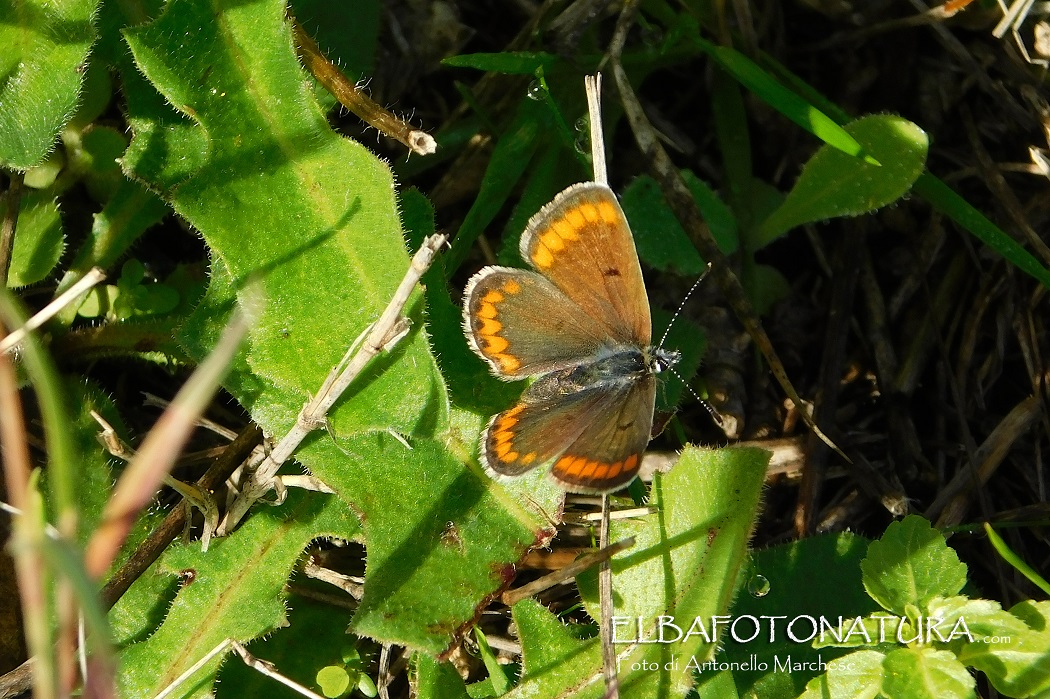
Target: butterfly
<point>579,321</point>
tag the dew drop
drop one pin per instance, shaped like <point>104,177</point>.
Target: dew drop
<point>536,91</point>
<point>758,586</point>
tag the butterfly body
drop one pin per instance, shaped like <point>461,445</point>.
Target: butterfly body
<point>579,322</point>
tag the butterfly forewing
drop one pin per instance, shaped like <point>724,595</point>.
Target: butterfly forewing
<point>582,243</point>
<point>522,325</point>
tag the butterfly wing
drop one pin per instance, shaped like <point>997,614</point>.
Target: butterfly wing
<point>607,454</point>
<point>521,324</point>
<point>582,243</point>
<point>594,437</point>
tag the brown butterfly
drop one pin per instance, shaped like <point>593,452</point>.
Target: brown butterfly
<point>580,322</point>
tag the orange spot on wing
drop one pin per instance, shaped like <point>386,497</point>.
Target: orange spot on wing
<point>496,345</point>
<point>528,458</point>
<point>507,458</point>
<point>631,462</point>
<point>565,230</point>
<point>490,326</point>
<point>511,286</point>
<point>608,212</point>
<point>509,363</point>
<point>590,212</point>
<point>588,469</point>
<point>507,420</point>
<point>492,296</point>
<point>541,256</point>
<point>487,310</point>
<point>575,218</point>
<point>553,241</point>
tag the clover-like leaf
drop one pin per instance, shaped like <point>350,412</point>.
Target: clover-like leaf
<point>910,565</point>
<point>921,672</point>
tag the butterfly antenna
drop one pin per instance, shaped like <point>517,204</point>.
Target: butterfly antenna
<point>678,311</point>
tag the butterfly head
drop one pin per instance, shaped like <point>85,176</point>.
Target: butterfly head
<point>659,359</point>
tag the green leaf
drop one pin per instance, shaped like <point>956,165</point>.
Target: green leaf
<point>1011,647</point>
<point>662,242</point>
<point>314,639</point>
<point>945,199</point>
<point>320,222</point>
<point>683,567</point>
<point>755,78</point>
<point>38,238</point>
<point>1019,564</point>
<point>333,681</point>
<point>497,676</point>
<point>255,167</point>
<point>434,680</point>
<point>854,676</point>
<point>510,62</point>
<point>817,577</point>
<point>234,591</point>
<point>437,550</point>
<point>925,673</point>
<point>834,184</point>
<point>41,71</point>
<point>910,565</point>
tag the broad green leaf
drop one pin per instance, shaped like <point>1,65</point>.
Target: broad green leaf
<point>314,639</point>
<point>45,47</point>
<point>819,578</point>
<point>835,184</point>
<point>683,568</point>
<point>514,63</point>
<point>234,591</point>
<point>854,676</point>
<point>924,673</point>
<point>254,166</point>
<point>910,565</point>
<point>275,191</point>
<point>662,242</point>
<point>437,549</point>
<point>38,238</point>
<point>434,680</point>
<point>788,103</point>
<point>1011,647</point>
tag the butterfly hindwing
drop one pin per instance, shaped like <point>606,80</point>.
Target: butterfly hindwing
<point>594,437</point>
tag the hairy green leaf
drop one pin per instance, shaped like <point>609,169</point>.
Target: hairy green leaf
<point>45,47</point>
<point>39,240</point>
<point>835,184</point>
<point>683,568</point>
<point>234,591</point>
